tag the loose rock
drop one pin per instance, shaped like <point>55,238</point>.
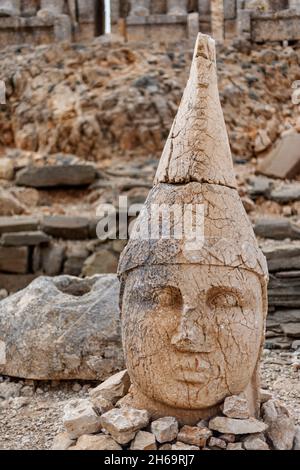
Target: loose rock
<point>144,441</point>
<point>123,423</point>
<point>165,429</point>
<point>237,426</point>
<point>80,418</point>
<point>194,436</point>
<point>281,429</point>
<point>236,407</point>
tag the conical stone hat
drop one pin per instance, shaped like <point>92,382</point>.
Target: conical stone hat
<point>195,187</point>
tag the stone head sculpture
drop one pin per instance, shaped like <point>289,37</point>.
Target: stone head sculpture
<point>193,279</point>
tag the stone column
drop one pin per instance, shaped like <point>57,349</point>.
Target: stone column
<point>55,7</point>
<point>177,7</point>
<point>217,19</point>
<point>10,7</point>
<point>140,8</point>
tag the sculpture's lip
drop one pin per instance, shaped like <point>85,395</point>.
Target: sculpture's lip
<point>197,373</point>
<point>192,376</point>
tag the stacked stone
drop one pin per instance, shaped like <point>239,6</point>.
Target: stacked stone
<point>280,240</point>
<point>102,423</point>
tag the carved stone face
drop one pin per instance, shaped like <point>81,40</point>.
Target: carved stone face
<point>191,333</point>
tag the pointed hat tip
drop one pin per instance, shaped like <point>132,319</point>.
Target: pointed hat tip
<point>205,47</point>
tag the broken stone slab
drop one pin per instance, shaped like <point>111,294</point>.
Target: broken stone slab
<point>56,176</point>
<point>68,228</point>
<point>124,423</point>
<point>182,446</point>
<point>63,328</point>
<point>80,418</point>
<point>236,407</point>
<point>144,441</point>
<point>96,442</point>
<point>259,186</point>
<point>277,229</point>
<point>194,435</point>
<point>255,443</point>
<point>62,441</point>
<point>281,428</point>
<point>283,161</point>
<point>285,256</point>
<point>165,429</point>
<point>286,193</point>
<point>24,239</point>
<point>113,389</point>
<point>14,259</point>
<point>284,292</point>
<point>237,426</point>
<point>18,224</point>
<point>291,330</point>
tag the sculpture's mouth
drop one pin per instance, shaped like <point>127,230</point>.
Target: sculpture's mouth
<point>197,373</point>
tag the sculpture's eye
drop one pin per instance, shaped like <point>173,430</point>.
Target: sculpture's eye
<point>167,296</point>
<point>224,300</point>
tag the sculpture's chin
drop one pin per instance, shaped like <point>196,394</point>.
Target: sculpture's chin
<point>189,395</point>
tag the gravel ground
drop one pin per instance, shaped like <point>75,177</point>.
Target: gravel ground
<point>31,414</point>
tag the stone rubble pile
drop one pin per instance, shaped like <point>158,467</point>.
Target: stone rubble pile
<point>105,98</point>
<point>104,423</point>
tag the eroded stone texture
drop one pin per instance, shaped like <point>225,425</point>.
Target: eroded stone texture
<point>80,418</point>
<point>198,148</point>
<point>281,427</point>
<point>10,8</point>
<point>193,295</point>
<point>62,328</point>
<point>123,424</point>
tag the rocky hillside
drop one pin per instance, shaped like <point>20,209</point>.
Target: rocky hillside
<point>109,99</point>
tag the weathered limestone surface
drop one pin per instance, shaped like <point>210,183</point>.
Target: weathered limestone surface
<point>62,328</point>
<point>194,302</point>
<point>198,148</point>
<point>10,7</point>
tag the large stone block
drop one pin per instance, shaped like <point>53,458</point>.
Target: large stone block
<point>56,175</point>
<point>14,260</point>
<point>18,224</point>
<point>62,328</point>
<point>284,160</point>
<point>69,228</point>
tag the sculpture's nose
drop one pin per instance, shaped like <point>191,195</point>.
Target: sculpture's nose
<point>190,335</point>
